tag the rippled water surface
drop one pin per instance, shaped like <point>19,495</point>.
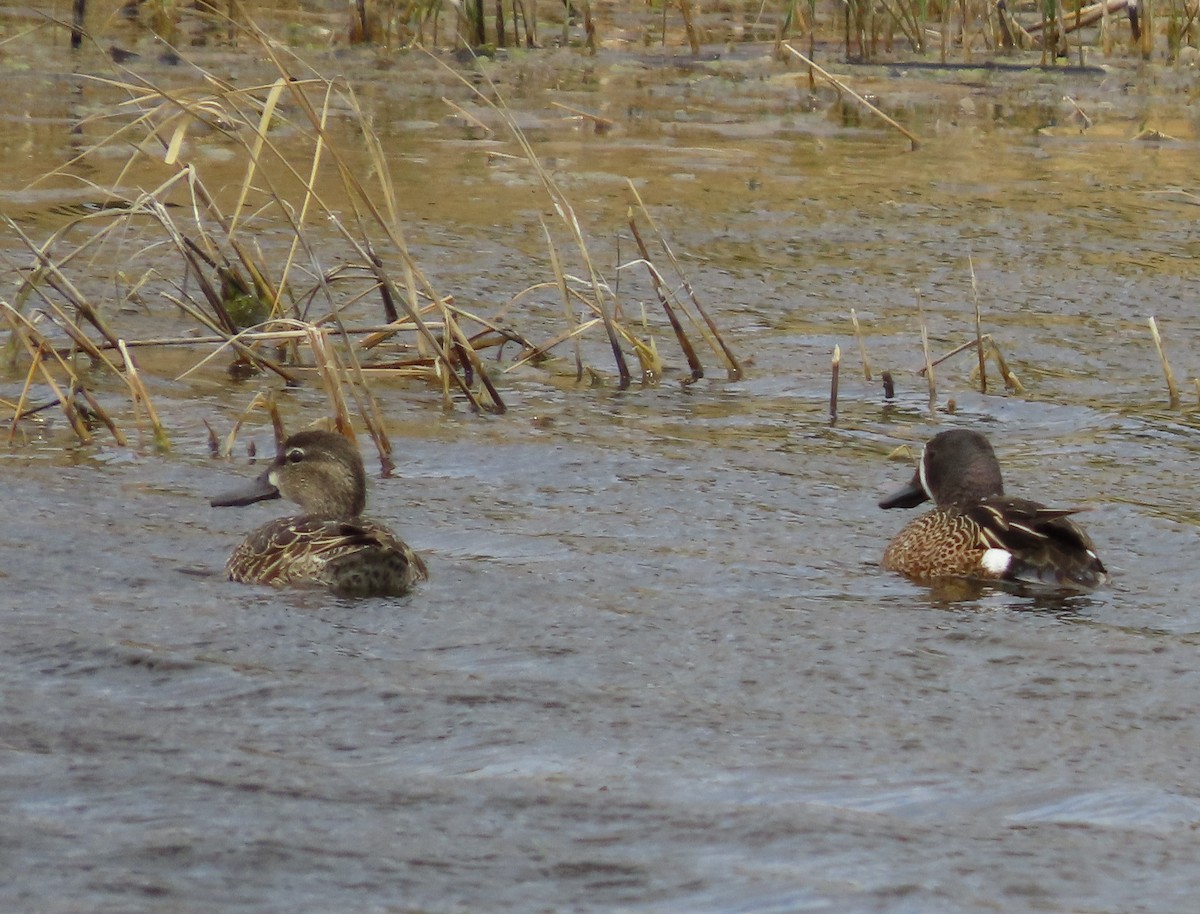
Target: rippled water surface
<point>657,668</point>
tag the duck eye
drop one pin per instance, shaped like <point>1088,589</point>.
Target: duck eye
<point>295,455</point>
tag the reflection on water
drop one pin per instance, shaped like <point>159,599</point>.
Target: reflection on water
<point>657,667</point>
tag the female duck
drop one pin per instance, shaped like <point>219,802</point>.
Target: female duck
<point>977,532</point>
<point>331,543</point>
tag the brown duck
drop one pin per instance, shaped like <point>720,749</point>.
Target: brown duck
<point>330,544</point>
<point>976,531</point>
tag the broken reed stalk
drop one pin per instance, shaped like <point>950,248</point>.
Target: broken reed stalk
<point>978,329</point>
<point>842,87</point>
<point>102,414</point>
<point>1172,387</point>
<point>259,399</point>
<point>862,346</point>
<point>468,354</point>
<point>697,370</point>
<point>1010,378</point>
<point>38,347</point>
<point>330,369</point>
<point>833,383</point>
<point>571,334</point>
<point>561,279</point>
<point>139,394</point>
<point>990,349</point>
<point>928,361</point>
<point>708,327</point>
<point>57,280</point>
<point>368,406</point>
<point>19,411</point>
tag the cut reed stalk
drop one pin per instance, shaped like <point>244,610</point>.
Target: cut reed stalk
<point>1172,387</point>
<point>272,407</point>
<point>471,357</point>
<point>693,35</point>
<point>368,406</point>
<point>833,383</point>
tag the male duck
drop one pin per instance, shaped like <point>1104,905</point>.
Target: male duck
<point>331,543</point>
<point>977,532</point>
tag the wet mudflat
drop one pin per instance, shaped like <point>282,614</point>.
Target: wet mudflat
<point>657,667</point>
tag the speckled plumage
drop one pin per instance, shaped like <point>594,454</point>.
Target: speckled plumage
<point>938,544</point>
<point>331,544</point>
<point>977,532</point>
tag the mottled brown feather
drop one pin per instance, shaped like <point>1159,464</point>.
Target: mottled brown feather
<point>361,557</point>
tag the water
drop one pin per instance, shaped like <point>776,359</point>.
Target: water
<point>657,668</point>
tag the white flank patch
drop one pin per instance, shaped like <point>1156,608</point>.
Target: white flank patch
<point>996,561</point>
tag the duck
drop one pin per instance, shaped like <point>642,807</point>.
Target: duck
<point>977,532</point>
<point>330,544</point>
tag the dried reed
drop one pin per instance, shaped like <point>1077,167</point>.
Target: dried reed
<point>862,346</point>
<point>1172,387</point>
<point>707,326</point>
<point>842,87</point>
<point>928,362</point>
<point>286,315</point>
<point>978,329</point>
<point>833,383</point>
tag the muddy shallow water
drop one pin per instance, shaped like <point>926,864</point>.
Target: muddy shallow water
<point>657,667</point>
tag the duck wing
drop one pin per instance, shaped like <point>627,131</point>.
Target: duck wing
<point>357,557</point>
<point>1046,545</point>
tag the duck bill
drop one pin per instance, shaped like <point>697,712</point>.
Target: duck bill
<point>262,489</point>
<point>908,497</point>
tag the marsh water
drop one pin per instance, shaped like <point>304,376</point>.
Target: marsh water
<point>657,667</point>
